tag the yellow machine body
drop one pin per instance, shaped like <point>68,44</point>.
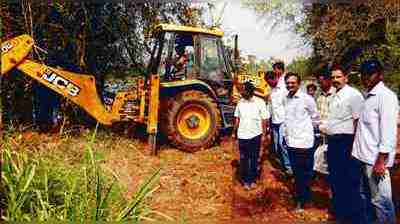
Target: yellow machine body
<point>14,51</point>
<point>79,88</point>
<point>141,104</point>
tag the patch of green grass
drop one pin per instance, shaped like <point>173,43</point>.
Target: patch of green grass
<point>47,188</point>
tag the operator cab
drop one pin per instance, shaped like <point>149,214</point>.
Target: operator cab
<point>179,64</point>
<point>186,53</point>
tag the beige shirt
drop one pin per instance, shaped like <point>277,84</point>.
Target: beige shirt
<point>323,102</point>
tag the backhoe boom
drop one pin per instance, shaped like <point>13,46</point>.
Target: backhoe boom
<point>79,88</point>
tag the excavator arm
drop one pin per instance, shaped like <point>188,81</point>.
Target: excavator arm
<point>79,88</point>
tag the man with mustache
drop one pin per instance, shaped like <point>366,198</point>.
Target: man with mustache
<point>344,111</point>
<point>375,143</point>
<point>300,114</point>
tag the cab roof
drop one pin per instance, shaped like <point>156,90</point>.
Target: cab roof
<point>180,28</point>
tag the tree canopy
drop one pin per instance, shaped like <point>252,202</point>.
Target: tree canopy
<point>345,32</point>
<point>100,38</point>
<point>350,33</point>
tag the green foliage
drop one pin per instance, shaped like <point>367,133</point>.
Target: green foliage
<point>287,13</point>
<point>348,33</point>
<point>42,189</point>
<point>339,32</point>
<point>100,36</point>
<point>102,39</point>
<point>301,65</point>
<point>17,180</point>
<point>16,98</point>
<point>334,28</point>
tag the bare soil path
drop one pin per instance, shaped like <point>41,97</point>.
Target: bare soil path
<point>203,187</point>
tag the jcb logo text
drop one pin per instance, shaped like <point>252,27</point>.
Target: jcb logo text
<point>61,83</point>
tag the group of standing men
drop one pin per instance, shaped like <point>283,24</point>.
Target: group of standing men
<point>360,131</point>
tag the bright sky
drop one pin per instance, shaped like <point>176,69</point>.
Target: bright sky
<point>253,36</point>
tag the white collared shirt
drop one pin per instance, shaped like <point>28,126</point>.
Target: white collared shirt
<point>300,113</point>
<point>251,113</point>
<point>281,82</point>
<point>276,104</point>
<point>344,108</point>
<point>377,126</point>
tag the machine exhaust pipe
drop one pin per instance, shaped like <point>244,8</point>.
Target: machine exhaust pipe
<point>236,53</point>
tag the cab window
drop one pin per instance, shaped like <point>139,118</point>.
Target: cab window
<point>180,60</point>
<point>211,62</point>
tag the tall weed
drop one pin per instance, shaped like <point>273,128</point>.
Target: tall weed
<point>41,189</point>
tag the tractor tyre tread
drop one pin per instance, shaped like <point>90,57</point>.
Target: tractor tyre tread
<point>171,109</point>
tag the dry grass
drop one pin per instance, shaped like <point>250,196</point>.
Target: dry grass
<point>191,185</point>
<point>198,186</point>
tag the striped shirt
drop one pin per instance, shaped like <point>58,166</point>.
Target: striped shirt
<point>323,103</point>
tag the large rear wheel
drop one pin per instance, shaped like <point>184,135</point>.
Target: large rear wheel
<point>191,121</point>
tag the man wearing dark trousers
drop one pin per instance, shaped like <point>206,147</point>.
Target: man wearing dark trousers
<point>250,128</point>
<point>300,114</point>
<point>323,101</point>
<point>344,111</point>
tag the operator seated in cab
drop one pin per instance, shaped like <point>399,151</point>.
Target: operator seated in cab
<point>181,63</point>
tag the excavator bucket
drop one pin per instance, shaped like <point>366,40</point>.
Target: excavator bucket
<point>13,51</point>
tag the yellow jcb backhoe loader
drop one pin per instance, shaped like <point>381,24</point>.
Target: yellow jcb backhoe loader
<point>188,92</point>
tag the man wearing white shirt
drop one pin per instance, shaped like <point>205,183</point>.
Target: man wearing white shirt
<point>344,110</point>
<point>277,110</point>
<point>375,143</point>
<point>250,128</point>
<point>300,114</point>
<point>279,71</point>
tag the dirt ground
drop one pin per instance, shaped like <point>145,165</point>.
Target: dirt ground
<point>203,187</point>
<point>200,187</point>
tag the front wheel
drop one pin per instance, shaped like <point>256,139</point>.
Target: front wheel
<point>191,121</point>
